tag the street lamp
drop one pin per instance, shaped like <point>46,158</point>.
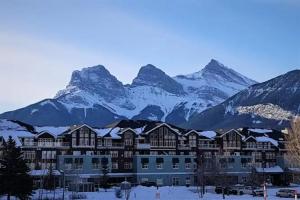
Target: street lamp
<point>126,186</point>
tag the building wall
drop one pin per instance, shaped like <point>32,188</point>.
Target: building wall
<point>165,174</point>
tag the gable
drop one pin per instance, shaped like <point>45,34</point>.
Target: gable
<point>85,127</point>
<point>232,131</point>
<point>163,128</point>
<point>45,135</point>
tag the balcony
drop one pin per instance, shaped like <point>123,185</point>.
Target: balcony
<point>207,146</point>
<point>143,146</point>
<point>29,144</point>
<point>52,144</point>
<point>249,147</point>
<point>231,146</point>
<point>117,145</point>
<point>184,147</point>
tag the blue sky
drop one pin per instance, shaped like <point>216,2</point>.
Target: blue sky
<point>42,42</point>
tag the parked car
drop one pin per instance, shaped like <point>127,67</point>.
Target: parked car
<point>258,192</point>
<point>287,193</point>
<point>148,183</point>
<point>219,189</point>
<point>248,190</point>
<point>237,190</point>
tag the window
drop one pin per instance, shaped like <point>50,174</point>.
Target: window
<point>99,142</point>
<point>48,155</point>
<point>175,181</point>
<point>86,137</point>
<point>251,145</point>
<point>244,179</point>
<point>207,154</point>
<point>45,142</point>
<point>68,163</point>
<point>27,142</point>
<point>159,181</point>
<point>187,165</point>
<point>128,154</point>
<point>187,180</point>
<point>128,139</point>
<point>115,165</point>
<point>159,163</point>
<point>107,142</point>
<point>270,155</point>
<point>193,141</point>
<point>114,154</point>
<point>78,162</point>
<point>30,155</point>
<point>96,163</point>
<point>127,165</point>
<point>259,145</point>
<point>145,163</point>
<point>76,153</point>
<point>89,153</point>
<point>175,162</point>
<point>258,155</point>
<point>144,180</point>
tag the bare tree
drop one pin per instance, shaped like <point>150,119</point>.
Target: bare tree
<point>200,170</point>
<point>293,143</point>
<point>216,173</point>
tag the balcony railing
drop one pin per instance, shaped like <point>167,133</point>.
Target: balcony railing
<point>117,145</point>
<point>29,144</point>
<point>231,146</point>
<point>46,144</point>
<point>143,146</point>
<point>53,144</point>
<point>207,146</point>
<point>184,147</point>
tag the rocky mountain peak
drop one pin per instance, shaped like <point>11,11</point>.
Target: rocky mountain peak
<point>214,65</point>
<point>96,74</point>
<point>94,80</point>
<point>216,70</point>
<point>149,75</point>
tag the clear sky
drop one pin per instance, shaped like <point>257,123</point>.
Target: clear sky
<point>42,42</point>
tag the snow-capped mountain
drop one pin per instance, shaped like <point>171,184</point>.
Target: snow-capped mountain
<point>96,97</point>
<point>269,104</point>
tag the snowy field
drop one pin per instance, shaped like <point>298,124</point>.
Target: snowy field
<point>164,193</point>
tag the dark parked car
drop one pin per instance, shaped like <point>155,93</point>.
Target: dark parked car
<point>219,189</point>
<point>148,183</point>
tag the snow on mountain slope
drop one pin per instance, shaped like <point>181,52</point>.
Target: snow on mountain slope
<point>96,97</point>
<point>214,81</point>
<point>269,104</point>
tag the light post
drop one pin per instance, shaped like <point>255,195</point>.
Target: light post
<point>63,182</point>
<point>126,186</point>
<point>264,177</point>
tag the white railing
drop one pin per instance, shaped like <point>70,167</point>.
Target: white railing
<point>207,146</point>
<point>143,146</point>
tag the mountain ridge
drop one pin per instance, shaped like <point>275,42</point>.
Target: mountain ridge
<point>96,97</point>
<point>270,104</point>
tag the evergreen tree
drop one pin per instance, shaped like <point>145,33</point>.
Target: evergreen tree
<point>49,183</point>
<point>14,173</point>
<point>105,170</point>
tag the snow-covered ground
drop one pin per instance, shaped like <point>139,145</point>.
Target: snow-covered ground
<point>163,193</point>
